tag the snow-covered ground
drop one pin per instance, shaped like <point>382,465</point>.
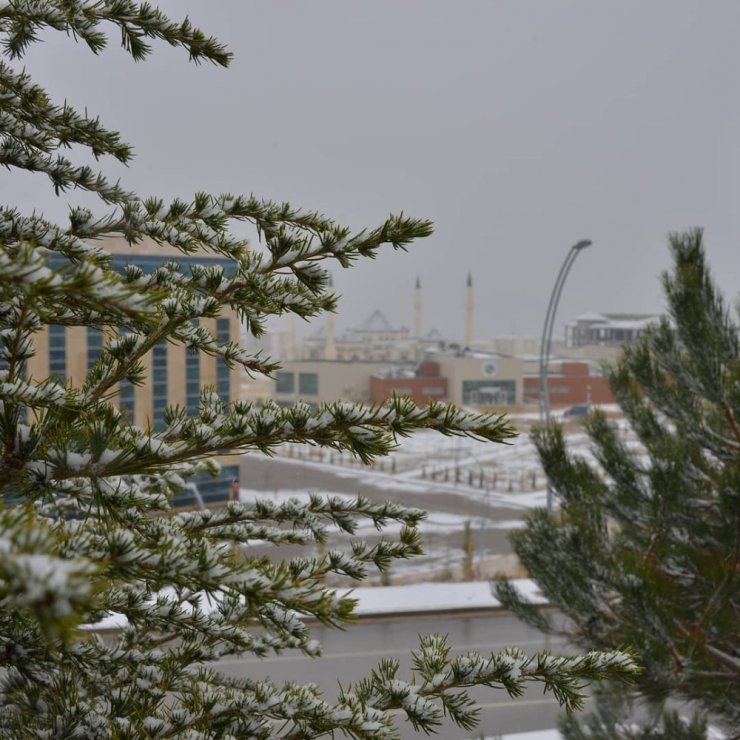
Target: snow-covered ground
<point>415,598</point>
<point>426,597</point>
<point>456,480</point>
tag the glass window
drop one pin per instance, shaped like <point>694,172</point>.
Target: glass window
<point>285,382</point>
<point>192,382</point>
<point>126,398</point>
<point>58,352</point>
<point>223,372</point>
<point>159,384</point>
<point>94,345</point>
<point>308,384</point>
<point>489,392</point>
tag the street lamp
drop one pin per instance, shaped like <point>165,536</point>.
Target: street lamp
<point>546,342</point>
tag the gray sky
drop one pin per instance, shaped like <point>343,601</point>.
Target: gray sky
<point>517,127</point>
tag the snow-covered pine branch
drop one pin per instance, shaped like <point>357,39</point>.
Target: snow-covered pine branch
<point>88,531</point>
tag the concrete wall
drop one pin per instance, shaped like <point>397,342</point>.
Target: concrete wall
<point>420,389</point>
<point>567,391</point>
<point>336,380</point>
<point>465,372</point>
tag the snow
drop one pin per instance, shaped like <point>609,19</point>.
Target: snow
<point>409,599</point>
<point>436,521</point>
<point>430,597</point>
<point>712,733</point>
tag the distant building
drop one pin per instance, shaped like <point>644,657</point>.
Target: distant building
<point>421,384</point>
<point>472,379</point>
<point>373,361</point>
<point>323,381</point>
<point>375,340</point>
<point>606,329</point>
<point>174,376</point>
<point>569,383</point>
<point>481,379</point>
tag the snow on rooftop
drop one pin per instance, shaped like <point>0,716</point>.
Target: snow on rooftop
<point>616,319</point>
<point>590,316</point>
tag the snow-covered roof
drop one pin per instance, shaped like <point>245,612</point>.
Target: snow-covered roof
<point>632,323</point>
<point>590,317</point>
<point>616,320</point>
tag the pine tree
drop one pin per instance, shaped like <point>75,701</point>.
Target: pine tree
<point>645,548</point>
<point>88,528</point>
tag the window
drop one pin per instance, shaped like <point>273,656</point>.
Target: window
<point>159,384</point>
<point>58,352</point>
<point>433,391</point>
<point>209,489</point>
<point>308,384</point>
<point>192,382</point>
<point>285,382</point>
<point>94,345</point>
<point>126,398</point>
<point>223,372</point>
<point>489,392</point>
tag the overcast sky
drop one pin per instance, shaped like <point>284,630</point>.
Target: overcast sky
<point>517,127</point>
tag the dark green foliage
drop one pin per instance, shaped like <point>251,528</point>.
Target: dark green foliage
<point>645,548</point>
<point>87,526</point>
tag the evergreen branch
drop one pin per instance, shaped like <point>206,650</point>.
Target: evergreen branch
<point>511,670</point>
<point>339,511</point>
<point>32,120</point>
<point>21,21</point>
<point>62,173</point>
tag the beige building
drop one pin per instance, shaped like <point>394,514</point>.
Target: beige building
<point>321,381</point>
<point>478,379</point>
<point>473,379</point>
<point>375,340</point>
<point>173,375</point>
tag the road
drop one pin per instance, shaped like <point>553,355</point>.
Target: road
<point>350,655</point>
<point>443,549</point>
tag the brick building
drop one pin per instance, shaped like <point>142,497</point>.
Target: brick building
<point>422,385</point>
<point>572,384</point>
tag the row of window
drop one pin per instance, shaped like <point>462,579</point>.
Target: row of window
<point>433,390</point>
<point>57,353</point>
<point>209,489</point>
<point>159,384</point>
<point>308,383</point>
<point>223,372</point>
<point>494,392</point>
<point>159,372</point>
<point>94,345</point>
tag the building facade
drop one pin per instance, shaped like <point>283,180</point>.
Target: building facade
<point>483,380</point>
<point>374,340</point>
<point>606,329</point>
<point>422,384</point>
<point>174,376</point>
<point>323,381</point>
<point>569,384</point>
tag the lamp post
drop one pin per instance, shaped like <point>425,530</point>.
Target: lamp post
<point>546,342</point>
